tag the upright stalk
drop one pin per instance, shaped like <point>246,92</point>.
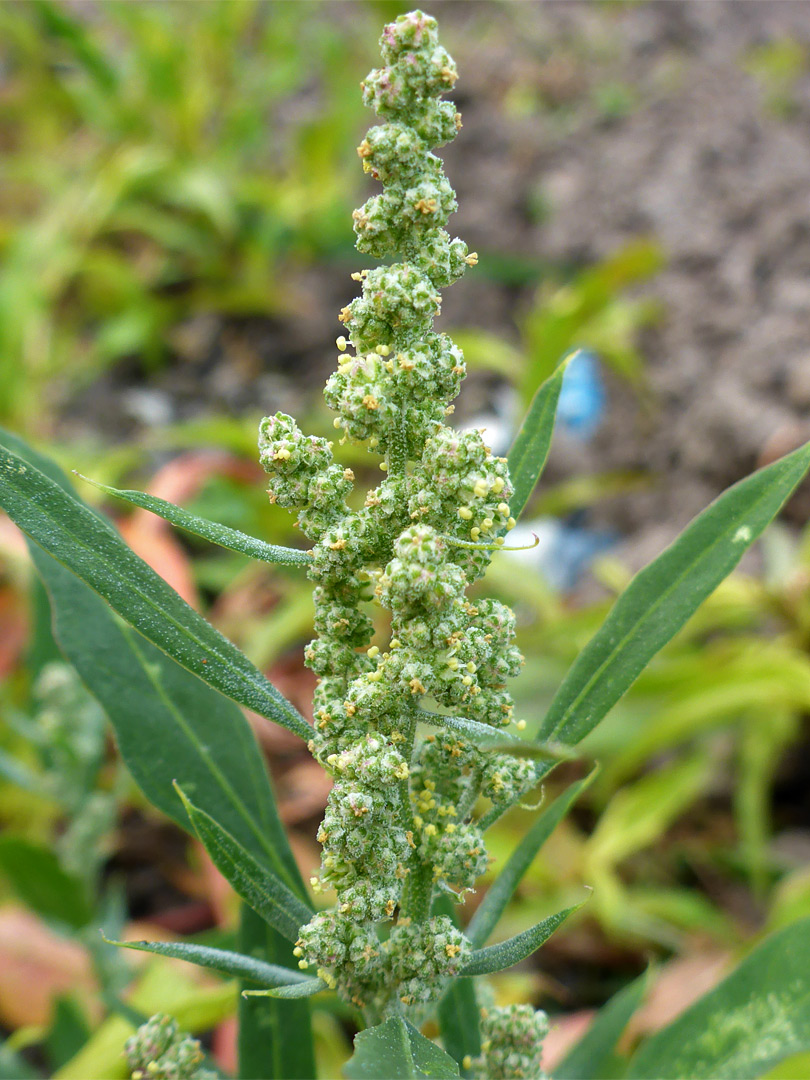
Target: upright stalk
<point>396,826</point>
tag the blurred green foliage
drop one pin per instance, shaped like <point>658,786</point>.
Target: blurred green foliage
<point>162,160</point>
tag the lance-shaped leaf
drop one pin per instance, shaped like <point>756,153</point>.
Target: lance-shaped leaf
<point>757,1017</point>
<point>529,451</point>
<point>508,953</point>
<point>397,1051</point>
<point>264,892</point>
<point>91,549</point>
<point>660,599</point>
<point>168,723</point>
<point>208,530</point>
<point>503,887</point>
<point>223,960</point>
<point>593,1054</point>
<point>481,735</point>
<point>303,989</point>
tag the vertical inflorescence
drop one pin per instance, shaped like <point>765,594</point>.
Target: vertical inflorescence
<point>397,824</point>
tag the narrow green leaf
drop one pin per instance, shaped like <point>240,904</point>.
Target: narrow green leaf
<point>503,887</point>
<point>758,1016</point>
<point>661,598</point>
<point>481,735</point>
<point>294,990</point>
<point>266,1050</point>
<point>75,536</point>
<point>546,751</point>
<point>263,891</point>
<point>395,1050</point>
<point>508,953</point>
<point>229,963</point>
<point>529,451</point>
<point>40,882</point>
<point>208,530</point>
<point>458,1011</point>
<point>169,723</point>
<point>593,1054</point>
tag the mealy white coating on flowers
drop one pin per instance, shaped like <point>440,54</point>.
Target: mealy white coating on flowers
<point>397,820</point>
<point>511,1044</point>
<point>159,1051</point>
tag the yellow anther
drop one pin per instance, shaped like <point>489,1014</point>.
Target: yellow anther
<point>481,489</point>
<point>373,441</point>
<point>467,680</point>
<point>394,643</point>
<point>282,454</point>
<point>521,725</point>
<point>383,350</point>
<point>371,402</point>
<point>384,466</point>
<point>430,830</point>
<point>337,422</point>
<point>511,523</point>
<point>450,827</point>
<point>357,277</point>
<point>373,651</point>
<point>471,668</point>
<point>452,663</point>
<point>341,343</point>
<point>472,259</point>
<point>503,508</point>
<point>465,513</point>
<point>303,964</point>
<point>498,484</point>
<point>486,524</point>
<point>298,951</point>
<point>348,474</point>
<point>475,533</point>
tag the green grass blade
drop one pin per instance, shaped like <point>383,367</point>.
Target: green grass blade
<point>72,534</point>
<point>508,953</point>
<point>529,451</point>
<point>262,890</point>
<point>212,531</point>
<point>503,887</point>
<point>291,991</point>
<point>223,960</point>
<point>758,1016</point>
<point>593,1054</point>
<point>660,599</point>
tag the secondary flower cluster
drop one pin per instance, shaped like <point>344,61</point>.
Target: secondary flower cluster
<point>159,1051</point>
<point>512,1044</point>
<point>397,823</point>
<point>408,965</point>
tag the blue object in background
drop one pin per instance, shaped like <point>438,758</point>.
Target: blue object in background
<point>565,549</point>
<point>582,396</point>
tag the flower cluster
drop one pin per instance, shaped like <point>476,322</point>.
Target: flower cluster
<point>410,964</point>
<point>512,1044</point>
<point>158,1051</point>
<point>398,820</point>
